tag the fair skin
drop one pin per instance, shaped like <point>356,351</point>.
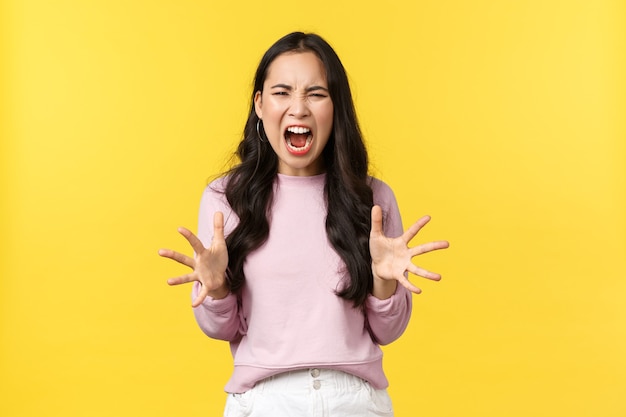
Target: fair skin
<point>295,96</point>
<point>391,259</point>
<point>297,114</point>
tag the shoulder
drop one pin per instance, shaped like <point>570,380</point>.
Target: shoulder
<point>218,185</point>
<point>216,188</point>
<point>213,200</point>
<point>215,192</point>
<point>385,198</point>
<point>383,194</point>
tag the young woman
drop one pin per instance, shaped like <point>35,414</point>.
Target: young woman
<point>300,260</point>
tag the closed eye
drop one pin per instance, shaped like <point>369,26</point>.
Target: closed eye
<point>317,91</point>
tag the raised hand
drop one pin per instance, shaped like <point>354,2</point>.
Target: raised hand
<point>392,258</point>
<point>208,265</point>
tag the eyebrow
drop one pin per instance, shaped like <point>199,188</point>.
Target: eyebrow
<point>308,90</point>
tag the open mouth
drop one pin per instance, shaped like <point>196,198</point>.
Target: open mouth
<point>298,139</point>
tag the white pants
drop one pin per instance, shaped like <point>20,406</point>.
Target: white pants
<point>310,393</point>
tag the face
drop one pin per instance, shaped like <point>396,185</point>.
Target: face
<point>297,112</point>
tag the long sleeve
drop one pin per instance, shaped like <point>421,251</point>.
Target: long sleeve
<point>387,319</point>
<point>288,316</point>
<point>218,319</point>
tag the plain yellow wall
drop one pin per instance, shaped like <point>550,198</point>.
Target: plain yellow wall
<point>504,120</point>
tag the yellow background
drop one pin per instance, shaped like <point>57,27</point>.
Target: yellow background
<point>504,120</point>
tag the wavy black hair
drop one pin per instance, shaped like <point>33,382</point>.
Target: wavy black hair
<point>348,195</point>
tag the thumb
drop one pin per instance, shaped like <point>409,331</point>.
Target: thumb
<point>377,221</point>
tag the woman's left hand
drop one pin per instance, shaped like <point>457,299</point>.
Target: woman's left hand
<point>392,257</point>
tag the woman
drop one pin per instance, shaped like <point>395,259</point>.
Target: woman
<point>300,260</point>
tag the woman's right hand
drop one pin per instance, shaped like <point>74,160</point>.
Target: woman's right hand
<point>209,264</point>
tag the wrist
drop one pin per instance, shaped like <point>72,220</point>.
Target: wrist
<point>383,288</point>
<point>219,293</point>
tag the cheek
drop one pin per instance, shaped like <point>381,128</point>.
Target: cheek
<point>326,120</point>
<point>271,118</point>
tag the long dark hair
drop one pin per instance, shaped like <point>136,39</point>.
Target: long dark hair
<point>249,188</point>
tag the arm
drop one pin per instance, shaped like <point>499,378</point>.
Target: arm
<point>388,308</point>
<point>387,319</point>
<point>218,318</point>
<point>215,308</point>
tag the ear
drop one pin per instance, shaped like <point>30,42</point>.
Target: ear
<point>258,104</point>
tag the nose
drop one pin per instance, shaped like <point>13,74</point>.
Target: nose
<point>299,107</point>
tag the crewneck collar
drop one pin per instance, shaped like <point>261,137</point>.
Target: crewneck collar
<point>301,181</point>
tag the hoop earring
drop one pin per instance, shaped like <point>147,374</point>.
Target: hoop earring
<point>258,131</point>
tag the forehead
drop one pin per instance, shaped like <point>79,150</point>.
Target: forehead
<point>297,67</point>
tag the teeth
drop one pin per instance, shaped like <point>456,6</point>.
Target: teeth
<point>298,130</point>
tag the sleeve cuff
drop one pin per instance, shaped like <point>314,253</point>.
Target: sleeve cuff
<point>221,306</point>
<point>387,305</point>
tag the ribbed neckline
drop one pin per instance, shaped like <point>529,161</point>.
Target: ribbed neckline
<point>284,179</point>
